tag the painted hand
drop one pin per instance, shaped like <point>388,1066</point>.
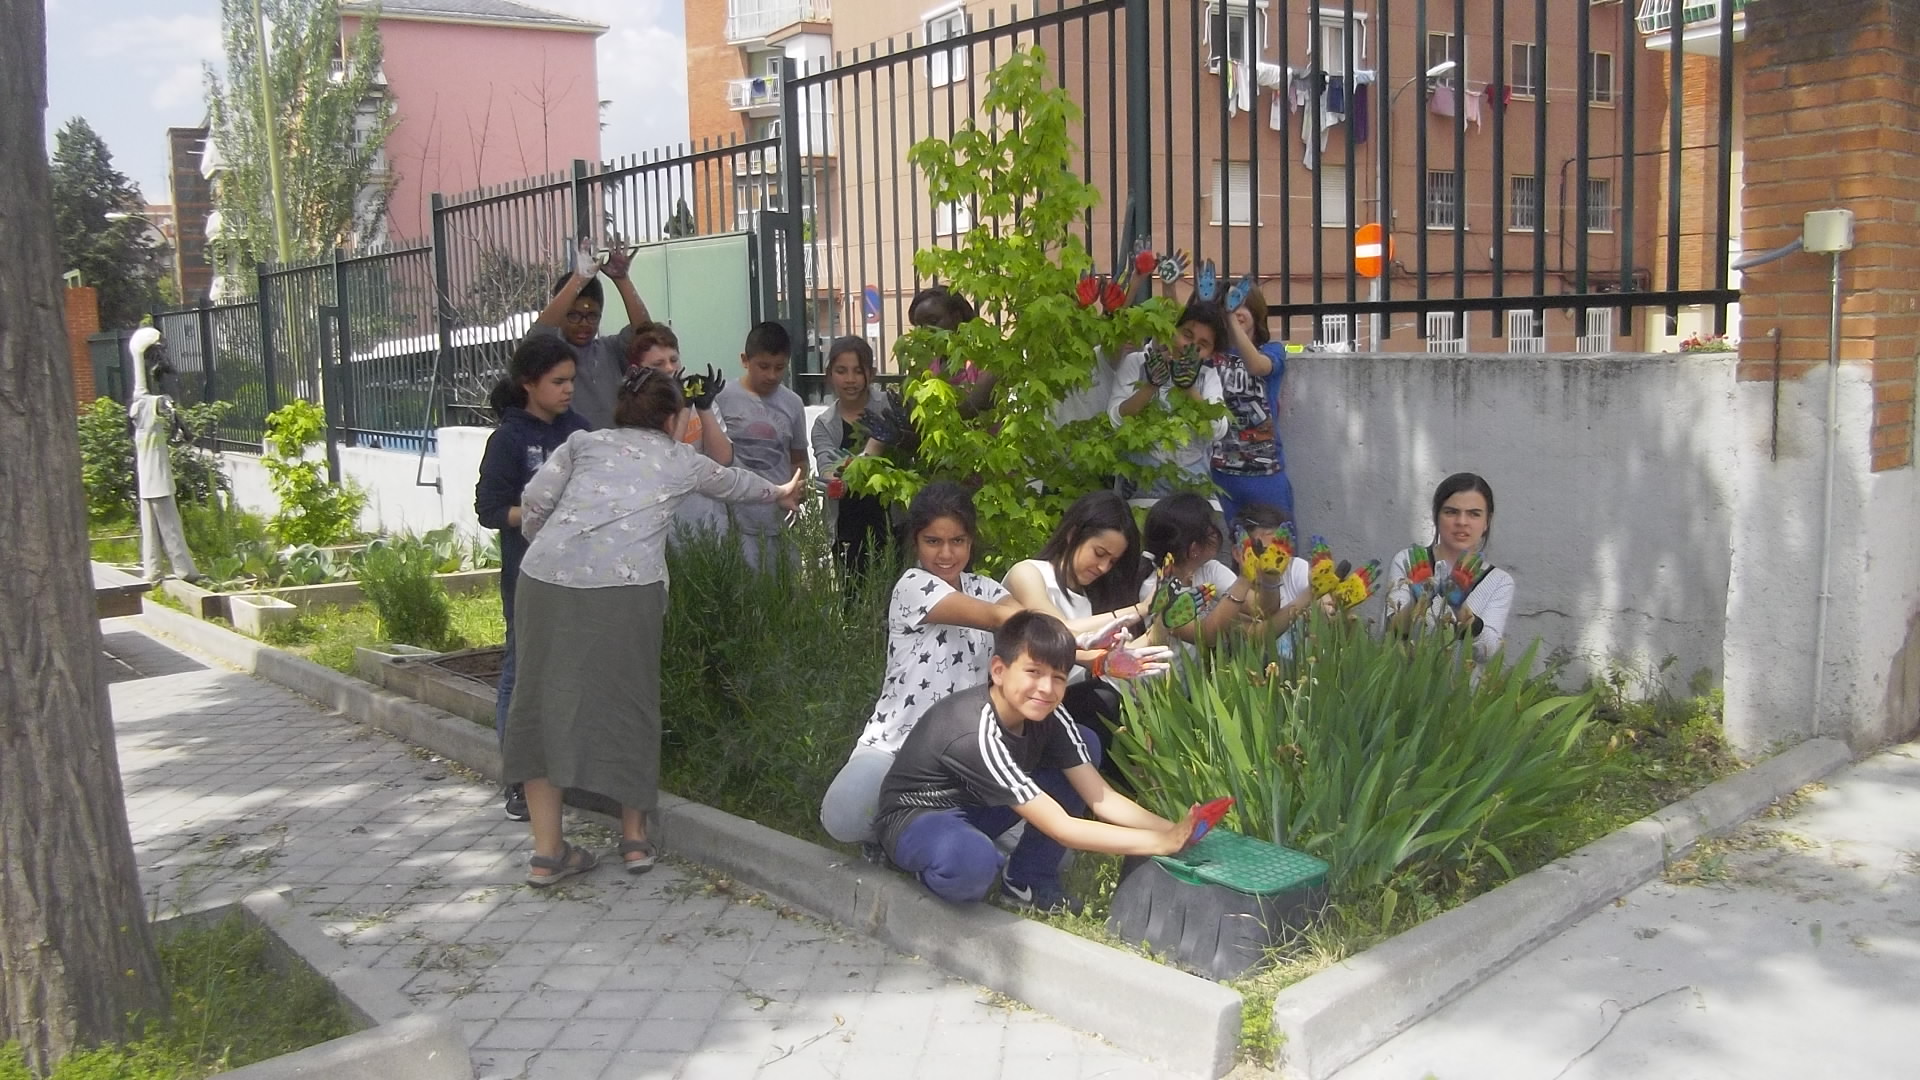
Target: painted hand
<point>1185,368</point>
<point>585,266</point>
<point>1320,570</point>
<point>1088,289</point>
<point>1207,281</point>
<point>700,390</point>
<point>617,262</point>
<point>1237,296</point>
<point>1355,587</point>
<point>1174,265</point>
<point>1465,578</point>
<point>1159,365</point>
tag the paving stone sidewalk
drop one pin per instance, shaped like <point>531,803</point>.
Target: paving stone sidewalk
<point>234,784</point>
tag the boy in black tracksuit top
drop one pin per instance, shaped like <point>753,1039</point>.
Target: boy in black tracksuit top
<point>534,406</point>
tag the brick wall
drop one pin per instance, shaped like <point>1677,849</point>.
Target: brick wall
<point>1833,120</point>
<point>83,321</point>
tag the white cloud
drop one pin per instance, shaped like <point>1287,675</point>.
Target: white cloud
<point>158,37</point>
<point>181,89</point>
<point>642,68</point>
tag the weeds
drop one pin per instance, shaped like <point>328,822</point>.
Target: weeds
<point>328,635</point>
<point>229,1008</point>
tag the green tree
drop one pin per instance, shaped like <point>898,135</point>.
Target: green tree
<point>99,228</point>
<point>1016,163</point>
<point>330,118</point>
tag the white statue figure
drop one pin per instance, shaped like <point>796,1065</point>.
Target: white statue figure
<point>154,426</point>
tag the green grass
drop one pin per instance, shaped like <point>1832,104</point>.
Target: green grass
<point>229,1008</point>
<point>328,635</point>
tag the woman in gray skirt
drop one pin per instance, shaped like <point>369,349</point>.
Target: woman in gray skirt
<point>588,612</point>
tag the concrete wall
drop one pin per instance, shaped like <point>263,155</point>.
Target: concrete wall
<point>1613,478</point>
<point>405,493</point>
<point>1872,664</point>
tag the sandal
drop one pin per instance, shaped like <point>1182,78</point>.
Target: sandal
<point>644,848</point>
<point>571,861</point>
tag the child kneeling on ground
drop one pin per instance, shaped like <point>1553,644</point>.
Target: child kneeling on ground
<point>984,758</point>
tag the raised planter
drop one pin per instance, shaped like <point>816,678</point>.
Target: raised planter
<point>255,613</point>
<point>422,678</point>
<point>198,601</point>
<point>347,593</point>
<point>392,1040</point>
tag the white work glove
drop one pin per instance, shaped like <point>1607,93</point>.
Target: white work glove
<point>585,266</point>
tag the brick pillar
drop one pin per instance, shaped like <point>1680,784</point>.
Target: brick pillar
<point>1832,95</point>
<point>83,321</point>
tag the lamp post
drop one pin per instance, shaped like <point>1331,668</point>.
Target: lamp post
<point>1380,184</point>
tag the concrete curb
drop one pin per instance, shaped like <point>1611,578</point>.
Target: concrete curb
<point>1183,1021</point>
<point>394,1039</point>
<point>1333,1018</point>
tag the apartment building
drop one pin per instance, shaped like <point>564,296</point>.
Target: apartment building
<point>1479,186</point>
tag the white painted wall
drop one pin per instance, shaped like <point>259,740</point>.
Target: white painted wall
<point>1613,480</point>
<point>1872,666</point>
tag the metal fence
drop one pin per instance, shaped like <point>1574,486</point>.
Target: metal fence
<point>1512,151</point>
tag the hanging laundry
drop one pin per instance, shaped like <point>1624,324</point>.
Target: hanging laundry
<point>1440,103</point>
<point>1473,101</point>
<point>1328,118</point>
<point>1242,88</point>
<point>1277,113</point>
<point>1270,76</point>
<point>1361,117</point>
<point>1337,93</point>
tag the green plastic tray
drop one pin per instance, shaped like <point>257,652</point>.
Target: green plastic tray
<point>1224,857</point>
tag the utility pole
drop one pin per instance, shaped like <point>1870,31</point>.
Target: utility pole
<point>283,250</point>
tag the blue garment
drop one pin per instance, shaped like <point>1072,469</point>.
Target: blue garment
<point>952,851</point>
<point>1249,465</point>
<point>515,451</point>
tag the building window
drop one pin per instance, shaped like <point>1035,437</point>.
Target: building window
<point>1523,203</point>
<point>949,66</point>
<point>1527,83</point>
<point>1329,47</point>
<point>1246,33</point>
<point>1526,332</point>
<point>1333,195</point>
<point>1599,331</point>
<point>1238,207</point>
<point>951,217</point>
<point>1441,48</point>
<point>1599,205</point>
<point>1443,200</point>
<point>1601,92</point>
<point>1446,332</point>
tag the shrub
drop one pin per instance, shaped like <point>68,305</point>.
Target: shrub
<point>106,459</point>
<point>767,678</point>
<point>1388,759</point>
<point>312,509</point>
<point>397,579</point>
<point>1020,265</point>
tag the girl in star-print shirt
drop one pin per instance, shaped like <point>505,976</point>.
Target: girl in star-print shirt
<point>940,627</point>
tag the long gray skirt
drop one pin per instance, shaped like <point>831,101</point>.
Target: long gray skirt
<point>586,703</point>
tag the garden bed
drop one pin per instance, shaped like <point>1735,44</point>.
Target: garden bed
<point>260,993</point>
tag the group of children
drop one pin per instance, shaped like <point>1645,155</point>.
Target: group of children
<point>999,697</point>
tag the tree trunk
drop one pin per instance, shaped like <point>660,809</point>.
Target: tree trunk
<point>76,957</point>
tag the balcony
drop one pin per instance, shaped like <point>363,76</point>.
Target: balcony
<point>1699,23</point>
<point>752,21</point>
<point>757,96</point>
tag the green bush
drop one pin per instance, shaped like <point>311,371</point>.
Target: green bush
<point>106,459</point>
<point>767,678</point>
<point>312,509</point>
<point>397,579</point>
<point>1392,760</point>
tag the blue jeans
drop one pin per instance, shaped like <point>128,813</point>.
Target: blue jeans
<point>1239,491</point>
<point>952,851</point>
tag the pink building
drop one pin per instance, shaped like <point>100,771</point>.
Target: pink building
<point>484,92</point>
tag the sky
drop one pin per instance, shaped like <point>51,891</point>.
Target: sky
<point>133,68</point>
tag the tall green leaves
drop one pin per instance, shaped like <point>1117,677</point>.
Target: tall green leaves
<point>312,510</point>
<point>1385,758</point>
<point>1015,164</point>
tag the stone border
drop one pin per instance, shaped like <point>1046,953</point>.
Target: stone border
<point>215,605</point>
<point>393,1039</point>
<point>1333,1018</point>
<point>1181,1020</point>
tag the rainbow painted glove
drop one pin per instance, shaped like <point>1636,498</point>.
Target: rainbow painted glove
<point>1460,584</point>
<point>1174,265</point>
<point>1354,588</point>
<point>1259,559</point>
<point>1320,569</point>
<point>1159,365</point>
<point>1185,368</point>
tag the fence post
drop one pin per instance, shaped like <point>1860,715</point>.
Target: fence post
<point>582,212</point>
<point>329,408</point>
<point>349,411</point>
<point>1139,125</point>
<point>203,320</point>
<point>792,253</point>
<point>263,311</point>
<point>443,317</point>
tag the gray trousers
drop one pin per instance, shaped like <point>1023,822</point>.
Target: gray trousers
<point>852,800</point>
<point>160,524</point>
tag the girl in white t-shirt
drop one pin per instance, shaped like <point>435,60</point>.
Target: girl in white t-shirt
<point>1451,584</point>
<point>940,626</point>
<point>1183,544</point>
<point>1281,594</point>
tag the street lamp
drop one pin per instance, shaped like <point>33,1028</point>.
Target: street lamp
<point>1380,185</point>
